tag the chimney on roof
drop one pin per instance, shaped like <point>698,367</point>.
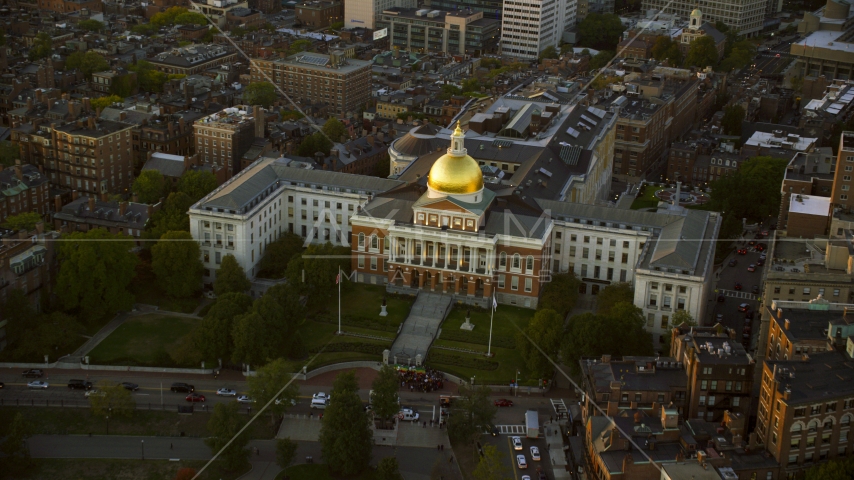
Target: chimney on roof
<point>74,195</point>
<point>104,197</point>
<point>49,104</point>
<point>182,123</point>
<point>29,103</point>
<point>606,358</point>
<point>150,211</point>
<point>91,203</point>
<point>19,172</point>
<point>123,208</point>
<point>370,140</point>
<point>260,121</point>
<point>638,417</point>
<point>135,198</point>
<point>170,127</point>
<point>122,115</point>
<point>39,95</point>
<point>91,121</point>
<point>86,105</point>
<point>57,203</point>
<point>786,323</point>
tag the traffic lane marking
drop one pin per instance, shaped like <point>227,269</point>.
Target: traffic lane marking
<point>512,459</point>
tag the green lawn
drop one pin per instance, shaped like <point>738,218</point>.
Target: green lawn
<point>365,300</point>
<point>143,341</point>
<point>648,199</point>
<point>504,331</point>
<point>106,469</point>
<point>81,421</point>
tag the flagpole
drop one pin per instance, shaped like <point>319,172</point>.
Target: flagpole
<point>491,316</point>
<point>338,281</point>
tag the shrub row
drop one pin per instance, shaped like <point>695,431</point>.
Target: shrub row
<point>361,322</point>
<point>502,341</point>
<point>357,347</point>
<point>456,360</point>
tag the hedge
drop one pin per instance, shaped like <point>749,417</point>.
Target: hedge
<point>362,322</point>
<point>502,341</point>
<point>456,360</point>
<point>358,347</point>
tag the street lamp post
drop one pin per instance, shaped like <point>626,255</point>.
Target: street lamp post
<point>516,394</point>
<point>142,443</point>
<point>110,412</point>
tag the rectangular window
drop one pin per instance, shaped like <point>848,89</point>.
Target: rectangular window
<point>373,263</point>
<point>528,284</point>
<point>514,283</point>
<point>361,261</point>
<point>501,281</point>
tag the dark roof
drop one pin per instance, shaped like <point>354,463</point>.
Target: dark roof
<point>713,32</point>
<point>105,214</point>
<point>168,165</point>
<point>823,376</point>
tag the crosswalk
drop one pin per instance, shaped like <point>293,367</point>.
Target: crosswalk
<point>737,294</point>
<point>511,429</point>
<point>558,405</point>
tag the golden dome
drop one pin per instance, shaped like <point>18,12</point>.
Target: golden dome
<point>456,172</point>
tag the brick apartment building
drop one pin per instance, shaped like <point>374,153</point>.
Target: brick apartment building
<point>193,59</point>
<point>807,174</point>
<point>171,134</point>
<point>68,6</point>
<point>223,137</point>
<point>719,371</point>
<point>88,213</point>
<point>23,188</point>
<point>343,83</point>
<point>319,13</point>
<point>842,196</point>
<point>692,164</point>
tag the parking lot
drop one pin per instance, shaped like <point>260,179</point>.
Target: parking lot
<point>750,282</point>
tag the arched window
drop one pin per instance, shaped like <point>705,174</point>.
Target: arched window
<point>828,423</point>
<point>517,261</point>
<point>797,427</point>
<point>375,242</point>
<point>529,264</point>
<point>845,421</point>
<point>361,240</point>
<point>813,426</point>
<point>502,260</point>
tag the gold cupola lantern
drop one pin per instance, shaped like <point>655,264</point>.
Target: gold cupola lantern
<point>456,172</point>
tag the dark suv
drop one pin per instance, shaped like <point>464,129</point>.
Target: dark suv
<point>79,385</point>
<point>33,373</point>
<point>183,387</point>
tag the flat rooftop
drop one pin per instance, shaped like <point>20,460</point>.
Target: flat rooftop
<point>809,205</point>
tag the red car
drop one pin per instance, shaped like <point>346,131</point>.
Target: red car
<point>737,286</point>
<point>195,397</point>
<point>742,251</point>
<point>503,403</point>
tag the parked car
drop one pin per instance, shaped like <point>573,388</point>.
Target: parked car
<point>541,475</point>
<point>2,385</point>
<point>760,262</point>
<point>33,373</point>
<point>321,395</point>
<point>503,402</point>
<point>38,384</point>
<point>746,329</point>
<point>744,307</point>
<point>733,262</point>
<point>751,267</point>
<point>721,298</point>
<point>226,392</point>
<point>130,386</point>
<point>183,387</point>
<point>737,286</point>
<point>755,289</point>
<point>521,462</point>
<point>79,384</point>
<point>741,251</point>
<point>765,233</point>
<point>761,247</point>
<point>535,453</point>
<point>719,317</point>
<point>749,315</point>
<point>517,443</point>
<point>245,399</point>
<point>752,243</point>
<point>195,397</point>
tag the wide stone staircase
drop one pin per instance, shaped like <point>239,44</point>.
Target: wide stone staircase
<point>420,327</point>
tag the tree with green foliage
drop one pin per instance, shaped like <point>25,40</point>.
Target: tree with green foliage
<point>260,93</point>
<point>212,338</point>
<point>23,221</point>
<point>88,63</point>
<point>316,142</point>
<point>470,85</point>
<point>286,451</point>
<point>618,333</point>
<point>548,52</point>
<point>314,271</point>
<point>123,86</point>
<point>104,102</point>
<point>191,18</point>
<point>385,396</point>
<point>667,49</point>
<point>150,186</point>
<point>168,16</point>
<point>600,31</point>
<point>612,295</point>
<point>751,192</point>
<point>491,465</point>
<point>540,342</point>
<point>336,26</point>
<point>334,129</point>
<point>148,78</point>
<point>18,313</point>
<point>448,90</point>
<point>42,47</point>
<point>566,48</point>
<point>472,413</point>
<point>269,330</point>
<point>172,216</point>
<point>56,333</point>
<point>732,119</point>
<point>702,53</point>
<point>601,59</point>
<point>388,469</point>
<point>279,253</point>
<point>290,115</point>
<point>739,55</point>
<point>301,45</point>
<point>224,425</point>
<point>346,439</point>
<point>678,318</point>
<point>91,25</point>
<point>9,152</point>
<point>230,277</point>
<point>175,259</point>
<point>16,454</point>
<point>95,270</point>
<point>266,384</point>
<point>209,35</point>
<point>560,294</point>
<point>113,400</point>
<point>197,183</point>
<point>835,469</point>
<point>144,29</point>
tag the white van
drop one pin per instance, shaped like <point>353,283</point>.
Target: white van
<point>319,403</point>
<point>408,414</point>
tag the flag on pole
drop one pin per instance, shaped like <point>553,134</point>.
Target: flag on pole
<point>494,303</point>
<point>337,278</point>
